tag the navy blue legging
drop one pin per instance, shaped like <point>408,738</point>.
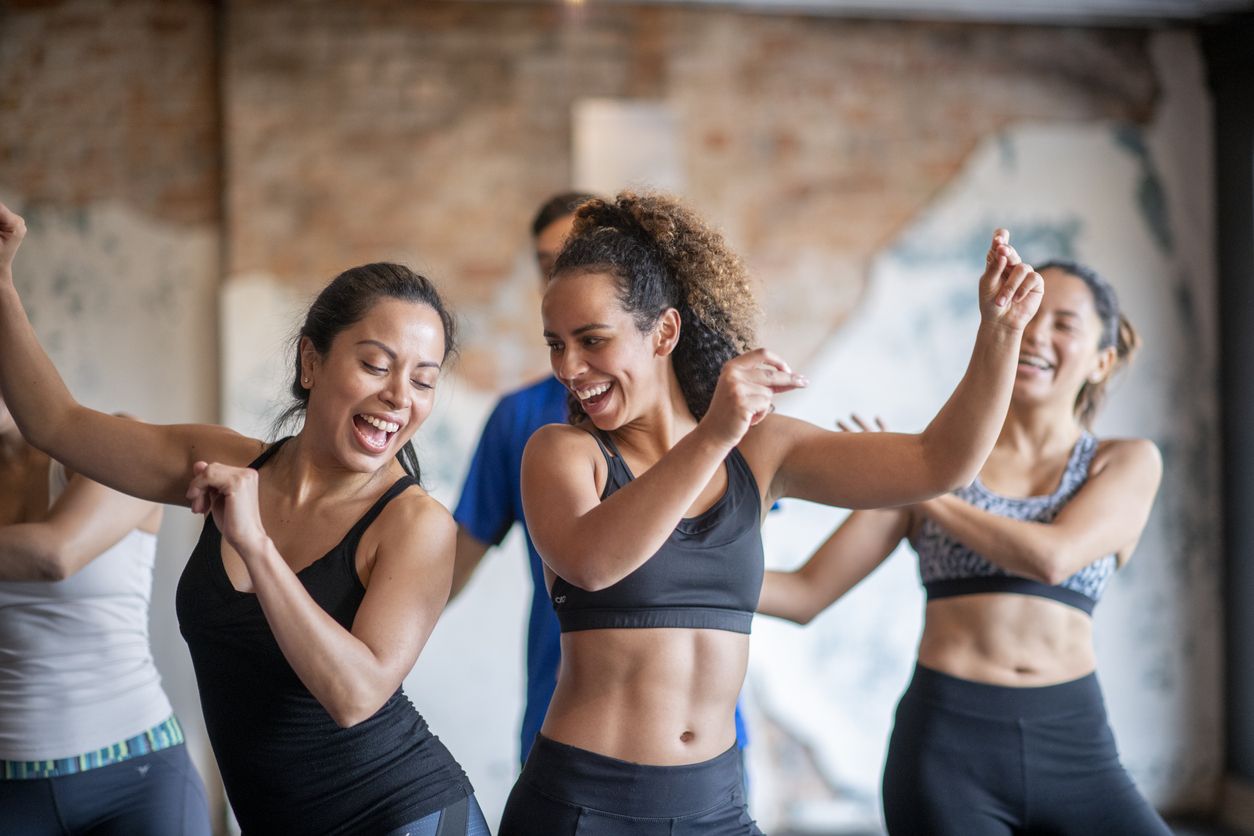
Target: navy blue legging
<point>463,818</point>
<point>157,794</point>
<point>970,759</point>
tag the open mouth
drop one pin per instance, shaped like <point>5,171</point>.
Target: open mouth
<point>591,398</point>
<point>374,433</point>
<point>1035,363</point>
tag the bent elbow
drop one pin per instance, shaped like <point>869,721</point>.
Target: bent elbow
<point>1055,568</point>
<point>349,715</point>
<point>51,566</point>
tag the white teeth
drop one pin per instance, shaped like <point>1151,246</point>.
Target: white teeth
<point>1035,362</point>
<point>379,423</point>
<point>592,392</point>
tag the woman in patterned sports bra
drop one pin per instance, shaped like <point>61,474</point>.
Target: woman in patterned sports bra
<point>1003,728</point>
<point>647,509</point>
<point>322,566</point>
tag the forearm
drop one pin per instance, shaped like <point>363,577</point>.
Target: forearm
<point>1029,549</point>
<point>617,535</point>
<point>960,437</point>
<point>787,595</point>
<point>340,670</point>
<point>33,391</point>
<point>25,555</point>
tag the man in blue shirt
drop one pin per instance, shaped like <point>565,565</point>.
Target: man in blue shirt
<point>491,500</point>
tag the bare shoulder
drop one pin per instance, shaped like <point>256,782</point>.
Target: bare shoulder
<point>1139,458</point>
<point>562,438</point>
<point>414,517</point>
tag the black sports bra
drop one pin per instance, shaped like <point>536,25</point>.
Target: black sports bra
<point>707,575</point>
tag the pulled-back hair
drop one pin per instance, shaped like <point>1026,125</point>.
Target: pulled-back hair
<point>343,303</point>
<point>1117,331</point>
<point>663,256</point>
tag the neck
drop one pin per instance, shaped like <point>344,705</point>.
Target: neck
<point>661,426</point>
<point>309,473</point>
<point>1039,428</point>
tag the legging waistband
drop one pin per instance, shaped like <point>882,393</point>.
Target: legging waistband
<point>165,734</point>
<point>1002,701</point>
<point>577,776</point>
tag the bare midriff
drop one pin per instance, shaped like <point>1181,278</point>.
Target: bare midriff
<point>1012,640</point>
<point>660,696</point>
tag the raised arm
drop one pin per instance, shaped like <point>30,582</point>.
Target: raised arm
<point>853,551</point>
<point>144,460</point>
<point>594,543</point>
<point>873,470</point>
<point>1105,516</point>
<point>352,673</point>
<point>85,521</point>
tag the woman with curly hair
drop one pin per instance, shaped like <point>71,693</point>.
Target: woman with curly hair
<point>647,508</point>
<point>1003,728</point>
<point>322,566</point>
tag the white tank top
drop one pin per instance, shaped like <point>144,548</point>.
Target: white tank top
<point>76,669</point>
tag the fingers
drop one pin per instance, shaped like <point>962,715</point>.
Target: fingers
<point>1012,282</point>
<point>862,425</point>
<point>211,480</point>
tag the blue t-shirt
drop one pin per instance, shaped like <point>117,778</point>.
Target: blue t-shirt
<point>490,504</point>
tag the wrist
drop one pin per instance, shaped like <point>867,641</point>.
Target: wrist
<point>1000,332</point>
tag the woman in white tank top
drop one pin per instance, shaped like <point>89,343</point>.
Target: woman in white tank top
<point>88,741</point>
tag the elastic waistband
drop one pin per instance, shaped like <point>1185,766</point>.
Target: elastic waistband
<point>1004,702</point>
<point>587,779</point>
<point>693,618</point>
<point>165,734</point>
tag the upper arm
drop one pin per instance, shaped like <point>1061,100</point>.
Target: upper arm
<point>559,484</point>
<point>86,520</point>
<point>409,581</point>
<point>851,470</point>
<point>150,461</point>
<point>1109,512</point>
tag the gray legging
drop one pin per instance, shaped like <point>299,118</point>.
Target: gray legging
<point>970,759</point>
<point>157,794</point>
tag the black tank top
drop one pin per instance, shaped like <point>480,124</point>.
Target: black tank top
<point>286,765</point>
<point>707,575</point>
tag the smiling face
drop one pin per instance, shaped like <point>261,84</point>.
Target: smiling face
<point>375,385</point>
<point>1059,353</point>
<point>598,352</point>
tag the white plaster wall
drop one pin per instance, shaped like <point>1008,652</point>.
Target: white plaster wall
<point>125,307</point>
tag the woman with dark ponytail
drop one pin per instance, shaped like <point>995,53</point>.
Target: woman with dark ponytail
<point>322,567</point>
<point>647,508</point>
<point>1003,729</point>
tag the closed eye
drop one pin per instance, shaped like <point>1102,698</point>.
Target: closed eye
<point>374,369</point>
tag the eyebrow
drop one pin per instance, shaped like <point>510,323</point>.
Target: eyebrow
<point>582,329</point>
<point>392,354</point>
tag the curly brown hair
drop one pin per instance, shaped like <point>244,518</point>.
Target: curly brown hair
<point>664,256</point>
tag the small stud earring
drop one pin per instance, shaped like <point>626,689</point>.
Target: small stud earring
<point>304,381</point>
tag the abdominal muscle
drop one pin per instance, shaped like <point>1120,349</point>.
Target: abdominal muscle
<point>660,696</point>
<point>1010,640</point>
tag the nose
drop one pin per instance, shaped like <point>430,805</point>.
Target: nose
<point>568,364</point>
<point>1034,332</point>
<point>397,393</point>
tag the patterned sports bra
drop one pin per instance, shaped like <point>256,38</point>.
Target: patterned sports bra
<point>948,568</point>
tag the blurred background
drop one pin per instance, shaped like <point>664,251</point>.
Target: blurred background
<point>192,172</point>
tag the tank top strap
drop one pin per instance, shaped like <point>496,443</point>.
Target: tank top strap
<point>354,533</point>
<point>740,477</point>
<point>268,453</point>
<point>1077,470</point>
